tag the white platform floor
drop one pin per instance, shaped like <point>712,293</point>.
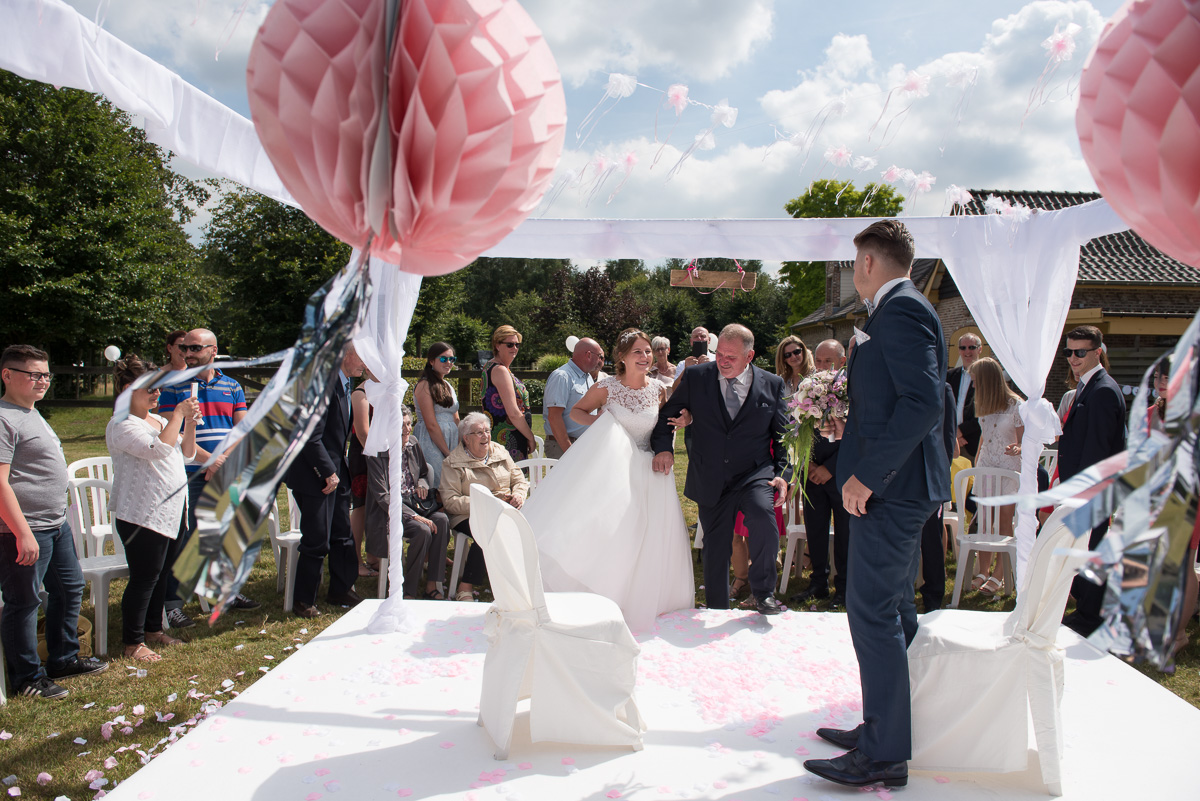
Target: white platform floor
<point>731,699</point>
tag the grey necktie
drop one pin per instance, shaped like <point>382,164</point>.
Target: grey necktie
<point>732,402</point>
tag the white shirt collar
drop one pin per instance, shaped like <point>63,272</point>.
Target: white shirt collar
<point>883,290</point>
<point>742,378</point>
<point>1087,377</point>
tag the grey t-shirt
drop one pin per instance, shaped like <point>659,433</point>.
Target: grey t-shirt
<point>38,472</point>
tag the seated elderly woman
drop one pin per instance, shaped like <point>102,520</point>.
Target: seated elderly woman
<point>477,460</point>
<point>426,526</point>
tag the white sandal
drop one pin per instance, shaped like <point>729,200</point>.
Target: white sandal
<point>978,581</point>
<point>988,589</point>
<point>463,596</point>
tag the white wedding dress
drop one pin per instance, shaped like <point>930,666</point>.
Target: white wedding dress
<point>606,523</point>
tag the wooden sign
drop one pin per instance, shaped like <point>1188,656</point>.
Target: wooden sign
<point>711,279</point>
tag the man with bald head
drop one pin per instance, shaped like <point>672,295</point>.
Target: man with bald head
<point>564,388</point>
<point>823,501</point>
<point>222,406</point>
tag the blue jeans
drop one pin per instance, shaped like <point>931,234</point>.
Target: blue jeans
<point>57,569</point>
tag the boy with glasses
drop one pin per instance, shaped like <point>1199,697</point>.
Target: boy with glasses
<point>36,545</point>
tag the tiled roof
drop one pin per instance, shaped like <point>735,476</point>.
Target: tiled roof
<point>1123,258</point>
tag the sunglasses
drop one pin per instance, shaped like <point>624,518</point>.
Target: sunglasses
<point>513,345</point>
<point>194,348</point>
<point>789,354</point>
<point>1078,353</point>
<point>968,347</point>
<point>447,359</point>
<point>34,377</point>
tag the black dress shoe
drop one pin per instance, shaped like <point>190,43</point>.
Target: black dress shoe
<point>854,769</point>
<point>1077,624</point>
<point>239,601</point>
<point>818,594</point>
<point>350,598</point>
<point>306,612</point>
<point>838,600</point>
<point>842,738</point>
<point>767,605</point>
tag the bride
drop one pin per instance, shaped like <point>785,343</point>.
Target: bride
<point>604,521</point>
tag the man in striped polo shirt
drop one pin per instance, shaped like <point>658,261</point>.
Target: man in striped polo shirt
<point>223,405</point>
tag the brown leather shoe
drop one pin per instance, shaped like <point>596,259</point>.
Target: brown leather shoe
<point>350,599</point>
<point>306,611</point>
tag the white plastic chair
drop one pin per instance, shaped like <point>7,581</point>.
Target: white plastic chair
<point>1049,460</point>
<point>99,475</point>
<point>1002,668</point>
<point>286,545</point>
<point>99,569</point>
<point>536,469</point>
<point>569,653</point>
<point>793,526</point>
<point>539,447</point>
<point>987,540</point>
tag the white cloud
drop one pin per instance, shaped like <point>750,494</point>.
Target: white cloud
<point>699,39</point>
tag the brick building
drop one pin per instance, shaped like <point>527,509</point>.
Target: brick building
<point>1139,297</point>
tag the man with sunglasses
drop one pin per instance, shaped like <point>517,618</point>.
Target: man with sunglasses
<point>36,545</point>
<point>1093,431</point>
<point>959,379</point>
<point>564,388</point>
<point>222,406</point>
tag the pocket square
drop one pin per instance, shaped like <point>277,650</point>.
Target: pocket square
<point>860,336</point>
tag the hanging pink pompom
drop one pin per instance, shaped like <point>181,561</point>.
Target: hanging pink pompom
<point>892,174</point>
<point>838,156</point>
<point>1061,44</point>
<point>677,97</point>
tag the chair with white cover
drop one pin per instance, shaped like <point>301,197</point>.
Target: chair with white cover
<point>98,568</point>
<point>102,528</point>
<point>793,526</point>
<point>536,469</point>
<point>570,653</point>
<point>1002,668</point>
<point>988,481</point>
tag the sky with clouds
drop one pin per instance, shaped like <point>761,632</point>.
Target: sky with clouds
<point>935,86</point>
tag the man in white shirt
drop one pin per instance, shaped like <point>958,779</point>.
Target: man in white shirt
<point>959,379</point>
<point>564,388</point>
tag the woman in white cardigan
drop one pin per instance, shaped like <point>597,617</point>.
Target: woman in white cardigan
<point>149,501</point>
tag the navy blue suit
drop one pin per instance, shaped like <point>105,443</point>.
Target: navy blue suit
<point>822,502</point>
<point>1094,430</point>
<point>893,443</point>
<point>324,519</point>
<point>729,465</point>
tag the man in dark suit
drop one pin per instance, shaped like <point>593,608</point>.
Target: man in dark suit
<point>1094,430</point>
<point>319,479</point>
<point>894,473</point>
<point>737,462</point>
<point>959,379</point>
<point>823,500</point>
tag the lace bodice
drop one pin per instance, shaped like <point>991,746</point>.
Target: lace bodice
<point>635,409</point>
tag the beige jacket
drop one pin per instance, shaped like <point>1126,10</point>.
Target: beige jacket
<point>497,472</point>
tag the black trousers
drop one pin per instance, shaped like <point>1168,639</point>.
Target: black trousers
<point>196,484</point>
<point>474,569</point>
<point>150,556</point>
<point>821,503</point>
<point>1089,597</point>
<point>933,562</point>
<point>756,501</point>
<point>325,531</point>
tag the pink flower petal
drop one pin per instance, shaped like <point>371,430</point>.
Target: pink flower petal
<point>568,761</point>
<point>44,778</point>
<point>613,794</point>
<point>5,735</point>
<point>525,765</point>
<point>321,772</point>
<point>312,797</point>
<point>404,792</point>
<point>244,769</point>
<point>447,744</point>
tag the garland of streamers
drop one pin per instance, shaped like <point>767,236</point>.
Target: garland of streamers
<point>693,270</point>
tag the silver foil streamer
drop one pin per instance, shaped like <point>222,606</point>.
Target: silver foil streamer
<point>232,511</point>
<point>1150,492</point>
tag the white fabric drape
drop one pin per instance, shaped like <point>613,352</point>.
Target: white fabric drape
<point>47,40</point>
<point>380,344</point>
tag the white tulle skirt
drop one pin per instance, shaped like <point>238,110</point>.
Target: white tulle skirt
<point>606,523</point>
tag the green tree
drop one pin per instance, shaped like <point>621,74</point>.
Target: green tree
<point>268,258</point>
<point>468,336</point>
<point>829,198</point>
<point>92,246</point>
<point>489,281</point>
<point>440,297</point>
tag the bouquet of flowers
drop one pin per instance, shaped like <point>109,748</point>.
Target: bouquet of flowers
<point>820,399</point>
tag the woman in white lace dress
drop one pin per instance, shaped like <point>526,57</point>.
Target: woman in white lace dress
<point>605,522</point>
<point>999,446</point>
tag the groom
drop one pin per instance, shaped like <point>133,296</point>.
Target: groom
<point>737,461</point>
<point>894,472</point>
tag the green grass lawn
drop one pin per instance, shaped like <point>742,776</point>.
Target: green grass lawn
<point>220,661</point>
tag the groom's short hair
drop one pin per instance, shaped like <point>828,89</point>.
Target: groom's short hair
<point>737,333</point>
<point>890,239</point>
